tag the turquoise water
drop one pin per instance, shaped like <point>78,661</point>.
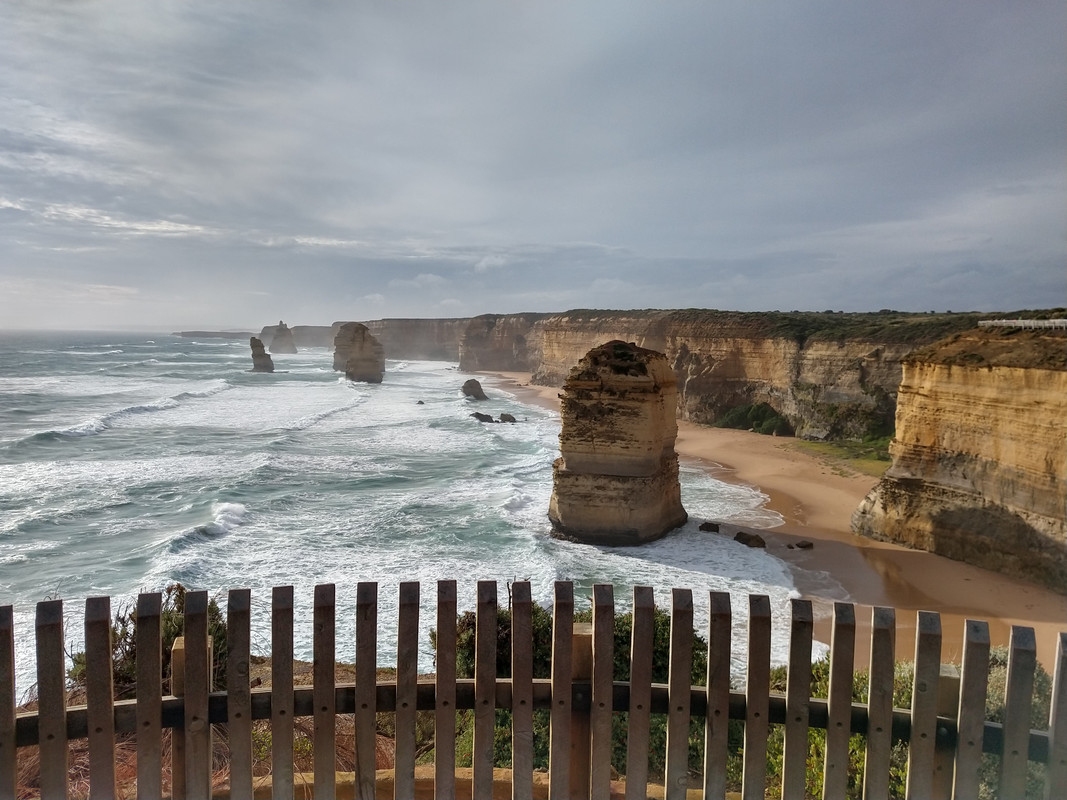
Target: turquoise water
<point>130,461</point>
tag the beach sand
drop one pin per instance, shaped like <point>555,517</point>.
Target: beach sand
<point>816,497</point>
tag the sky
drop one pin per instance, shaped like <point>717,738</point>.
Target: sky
<point>193,164</point>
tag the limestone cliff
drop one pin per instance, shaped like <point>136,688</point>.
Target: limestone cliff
<point>358,353</point>
<point>501,342</point>
<point>831,375</point>
<point>424,339</point>
<point>303,335</point>
<point>616,481</point>
<point>283,340</point>
<point>979,469</point>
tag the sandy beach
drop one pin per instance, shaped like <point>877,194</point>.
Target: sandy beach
<point>816,498</point>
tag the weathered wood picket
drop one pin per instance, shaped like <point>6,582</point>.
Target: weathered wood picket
<point>944,747</point>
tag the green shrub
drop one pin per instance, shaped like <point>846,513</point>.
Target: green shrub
<point>172,625</point>
<point>759,417</point>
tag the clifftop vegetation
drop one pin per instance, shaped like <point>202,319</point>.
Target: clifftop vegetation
<point>881,326</point>
<point>1043,348</point>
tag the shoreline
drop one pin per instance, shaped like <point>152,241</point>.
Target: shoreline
<point>815,496</point>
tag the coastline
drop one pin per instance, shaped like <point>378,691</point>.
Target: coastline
<point>815,497</point>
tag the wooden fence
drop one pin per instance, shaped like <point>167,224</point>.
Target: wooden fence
<point>944,728</point>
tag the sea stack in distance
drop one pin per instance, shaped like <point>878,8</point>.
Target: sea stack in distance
<point>283,340</point>
<point>616,481</point>
<point>261,360</point>
<point>358,353</point>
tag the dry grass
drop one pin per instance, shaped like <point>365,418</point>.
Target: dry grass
<point>28,779</point>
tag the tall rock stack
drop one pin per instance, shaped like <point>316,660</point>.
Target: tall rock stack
<point>261,361</point>
<point>979,469</point>
<point>358,353</point>
<point>616,481</point>
<point>283,340</point>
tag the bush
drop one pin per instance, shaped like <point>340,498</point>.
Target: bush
<point>542,661</point>
<point>760,417</point>
<point>172,625</point>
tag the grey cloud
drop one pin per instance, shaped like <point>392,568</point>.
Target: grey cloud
<point>732,155</point>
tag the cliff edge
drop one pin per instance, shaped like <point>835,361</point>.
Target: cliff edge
<point>979,470</point>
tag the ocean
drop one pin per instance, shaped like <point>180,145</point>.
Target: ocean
<point>129,461</point>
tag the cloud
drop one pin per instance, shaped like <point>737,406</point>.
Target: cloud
<point>387,159</point>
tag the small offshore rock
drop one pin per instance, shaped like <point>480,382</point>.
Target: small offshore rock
<point>420,403</point>
<point>474,389</point>
<point>749,539</point>
<point>713,527</point>
<point>507,418</point>
<point>804,544</point>
<point>483,417</point>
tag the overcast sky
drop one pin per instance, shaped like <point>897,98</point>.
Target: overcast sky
<point>188,164</point>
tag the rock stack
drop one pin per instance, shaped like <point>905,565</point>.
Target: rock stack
<point>283,340</point>
<point>261,361</point>
<point>616,481</point>
<point>359,354</point>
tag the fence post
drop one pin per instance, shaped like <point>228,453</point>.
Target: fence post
<point>581,730</point>
<point>948,704</point>
<point>177,746</point>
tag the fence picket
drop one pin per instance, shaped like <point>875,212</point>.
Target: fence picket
<point>484,689</point>
<point>839,702</point>
<point>676,777</point>
<point>560,719</point>
<point>1018,693</point>
<point>407,675</point>
<point>366,682</point>
<point>1056,777</point>
<point>445,693</point>
<point>717,719</point>
<point>8,747</point>
<point>798,692</point>
<point>100,698</point>
<point>974,678</point>
<point>603,670</point>
<point>149,691</point>
<point>324,666</point>
<point>920,780</point>
<point>880,704</point>
<point>757,701</point>
<point>197,688</point>
<point>641,633</point>
<point>239,692</point>
<point>281,698</point>
<point>51,699</point>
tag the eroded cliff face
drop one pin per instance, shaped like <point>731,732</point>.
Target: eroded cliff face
<point>979,469</point>
<point>616,481</point>
<point>828,386</point>
<point>424,339</point>
<point>504,343</point>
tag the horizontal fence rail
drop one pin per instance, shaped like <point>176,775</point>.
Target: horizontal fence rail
<point>588,709</point>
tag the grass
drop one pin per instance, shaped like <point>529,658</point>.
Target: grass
<point>869,457</point>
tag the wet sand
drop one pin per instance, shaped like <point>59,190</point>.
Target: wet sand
<point>816,498</point>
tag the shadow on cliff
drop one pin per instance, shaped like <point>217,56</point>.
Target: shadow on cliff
<point>997,539</point>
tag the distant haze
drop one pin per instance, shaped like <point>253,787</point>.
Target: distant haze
<point>198,165</point>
